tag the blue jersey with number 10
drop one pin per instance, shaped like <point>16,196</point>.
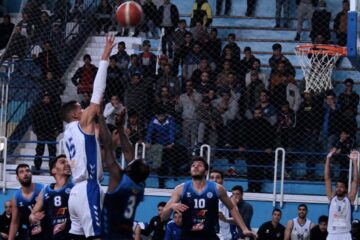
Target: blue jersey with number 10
<point>119,209</point>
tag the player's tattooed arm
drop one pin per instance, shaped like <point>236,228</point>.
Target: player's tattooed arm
<point>173,204</point>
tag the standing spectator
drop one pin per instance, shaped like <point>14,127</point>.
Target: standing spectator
<point>188,103</point>
<point>253,90</point>
<point>305,9</point>
<point>57,40</point>
<point>300,226</point>
<point>150,20</point>
<point>277,58</point>
<point>349,99</point>
<point>47,60</point>
<point>147,60</point>
<point>319,232</point>
<point>259,142</point>
<point>103,16</point>
<point>42,29</point>
<point>199,33</point>
<point>18,46</point>
<point>47,125</point>
<point>156,225</point>
<point>219,4</point>
<point>169,20</point>
<point>235,49</point>
<point>27,27</point>
<point>3,10</point>
<point>6,29</point>
<point>282,5</point>
<point>84,76</point>
<point>77,10</point>
<point>54,87</point>
<point>173,228</point>
<point>5,221</point>
<point>201,11</point>
<point>320,22</point>
<point>179,36</point>
<point>85,102</point>
<point>212,46</point>
<point>113,108</point>
<point>245,209</point>
<point>341,24</point>
<point>256,66</point>
<point>192,61</point>
<point>121,57</point>
<point>343,146</point>
<point>286,126</point>
<point>168,80</point>
<point>272,230</point>
<point>115,84</point>
<point>250,8</point>
<point>61,10</point>
<point>246,63</point>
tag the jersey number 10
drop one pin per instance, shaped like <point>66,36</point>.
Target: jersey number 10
<point>199,203</point>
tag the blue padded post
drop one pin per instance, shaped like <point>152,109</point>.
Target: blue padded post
<point>352,34</point>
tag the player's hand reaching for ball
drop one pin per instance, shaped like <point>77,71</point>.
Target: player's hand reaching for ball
<point>354,155</point>
<point>109,44</point>
<point>179,207</point>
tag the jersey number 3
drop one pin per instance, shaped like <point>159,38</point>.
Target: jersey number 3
<point>129,212</point>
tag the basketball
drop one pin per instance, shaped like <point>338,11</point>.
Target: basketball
<point>129,14</point>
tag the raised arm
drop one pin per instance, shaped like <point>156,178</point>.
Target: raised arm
<point>126,146</point>
<point>15,220</point>
<point>173,204</point>
<point>88,116</point>
<point>234,211</point>
<point>355,182</point>
<point>327,178</point>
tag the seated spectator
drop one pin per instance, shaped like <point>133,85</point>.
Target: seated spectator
<point>204,66</point>
<point>199,32</point>
<point>256,65</point>
<point>192,61</point>
<point>77,10</point>
<point>236,89</point>
<point>304,9</point>
<point>6,29</point>
<point>319,232</point>
<point>134,67</point>
<point>286,126</point>
<point>135,128</point>
<point>201,11</point>
<point>228,55</point>
<point>268,110</point>
<point>115,84</point>
<point>341,24</point>
<point>210,121</point>
<point>235,49</point>
<point>85,102</point>
<point>320,22</point>
<point>168,19</point>
<point>212,46</point>
<point>46,125</point>
<point>349,99</point>
<point>147,60</point>
<point>5,221</point>
<point>47,60</point>
<point>253,90</point>
<point>18,45</point>
<point>121,57</point>
<point>113,108</point>
<point>173,228</point>
<point>204,84</point>
<point>187,104</point>
<point>42,29</point>
<point>84,76</point>
<point>221,78</point>
<point>166,101</point>
<point>103,16</point>
<point>156,225</point>
<point>246,62</point>
<point>251,4</point>
<point>168,80</point>
<point>219,4</point>
<point>150,20</point>
<point>278,57</point>
<point>272,230</point>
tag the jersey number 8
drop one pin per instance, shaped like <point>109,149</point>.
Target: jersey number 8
<point>57,201</point>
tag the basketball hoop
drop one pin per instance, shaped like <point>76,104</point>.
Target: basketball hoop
<point>317,62</point>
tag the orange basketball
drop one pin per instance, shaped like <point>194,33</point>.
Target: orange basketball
<point>129,14</point>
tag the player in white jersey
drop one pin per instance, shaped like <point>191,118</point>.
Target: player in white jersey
<point>224,216</point>
<point>340,208</point>
<point>299,227</point>
<point>82,150</point>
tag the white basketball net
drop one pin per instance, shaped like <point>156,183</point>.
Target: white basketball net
<point>317,68</point>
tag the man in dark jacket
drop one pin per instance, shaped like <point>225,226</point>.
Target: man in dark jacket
<point>18,45</point>
<point>156,225</point>
<point>5,221</point>
<point>6,29</point>
<point>84,76</point>
<point>340,24</point>
<point>47,60</point>
<point>320,22</point>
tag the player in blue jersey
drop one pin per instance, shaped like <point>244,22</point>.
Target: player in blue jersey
<point>23,202</point>
<point>83,153</point>
<point>52,205</point>
<point>198,201</point>
<point>126,186</point>
<point>173,228</point>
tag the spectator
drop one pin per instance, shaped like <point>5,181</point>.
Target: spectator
<point>221,78</point>
<point>134,67</point>
<point>212,46</point>
<point>103,16</point>
<point>173,228</point>
<point>3,10</point>
<point>204,66</point>
<point>166,101</point>
<point>57,40</point>
<point>201,11</point>
<point>210,122</point>
<point>282,5</point>
<point>168,80</point>
<point>349,99</point>
<point>48,61</point>
<point>169,20</point>
<point>272,230</point>
<point>246,62</point>
<point>286,126</point>
<point>179,36</point>
<point>305,9</point>
<point>199,33</point>
<point>192,61</point>
<point>236,89</point>
<point>47,125</point>
<point>341,24</point>
<point>42,29</point>
<point>320,22</point>
<point>61,10</point>
<point>121,57</point>
<point>250,8</point>
<point>6,29</point>
<point>85,102</point>
<point>278,57</point>
<point>26,26</point>
<point>84,76</point>
<point>343,145</point>
<point>228,55</point>
<point>114,81</point>
<point>147,60</point>
<point>18,46</point>
<point>268,110</point>
<point>113,108</point>
<point>156,225</point>
<point>183,51</point>
<point>150,20</point>
<point>77,10</point>
<point>256,66</point>
<point>235,49</point>
<point>259,142</point>
<point>300,226</point>
<point>319,232</point>
<point>245,209</point>
<point>53,85</point>
<point>219,4</point>
<point>135,96</point>
<point>135,128</point>
<point>253,90</point>
<point>5,221</point>
<point>188,103</point>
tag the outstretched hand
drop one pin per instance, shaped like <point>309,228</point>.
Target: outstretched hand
<point>109,44</point>
<point>354,155</point>
<point>331,153</point>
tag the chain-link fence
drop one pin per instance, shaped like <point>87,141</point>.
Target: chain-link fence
<point>191,73</point>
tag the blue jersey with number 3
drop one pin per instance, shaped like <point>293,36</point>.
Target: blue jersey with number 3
<point>119,209</point>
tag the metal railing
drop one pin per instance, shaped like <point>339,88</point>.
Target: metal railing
<point>277,151</point>
<point>208,155</point>
<point>3,150</point>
